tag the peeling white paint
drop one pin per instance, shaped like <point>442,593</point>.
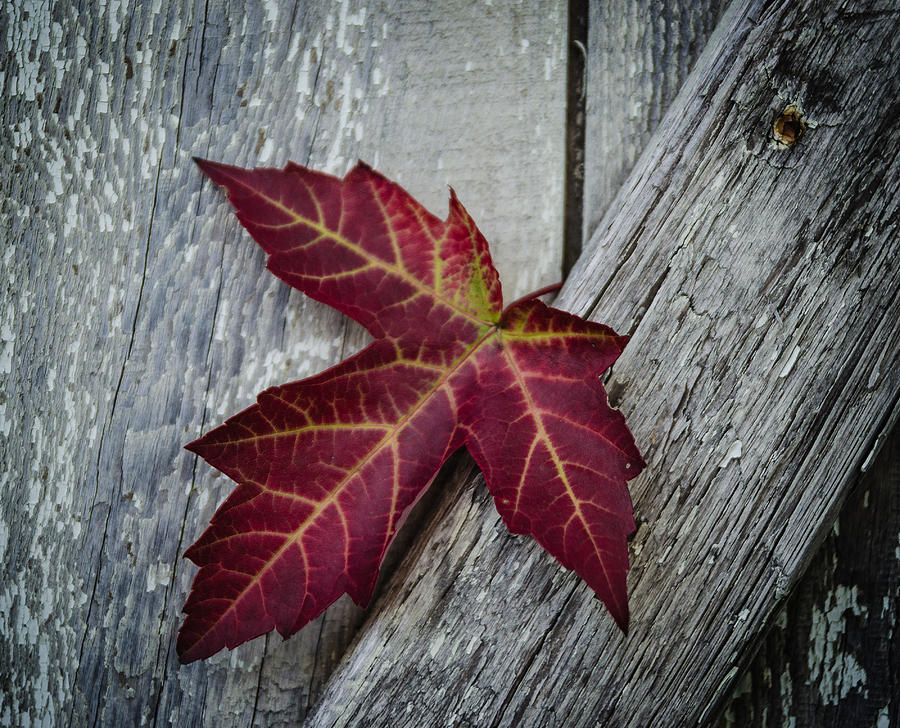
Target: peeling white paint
<point>158,575</point>
<point>4,538</point>
<point>271,10</point>
<point>734,452</point>
<point>267,151</point>
<point>436,645</point>
<point>7,346</point>
<point>787,695</point>
<point>789,364</point>
<point>836,671</point>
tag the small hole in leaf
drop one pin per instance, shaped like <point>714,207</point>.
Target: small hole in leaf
<point>789,126</point>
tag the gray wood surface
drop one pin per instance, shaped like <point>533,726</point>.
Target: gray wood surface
<point>818,665</point>
<point>136,313</point>
<point>639,53</point>
<point>118,343</point>
<point>827,659</point>
<point>831,657</point>
<point>760,285</point>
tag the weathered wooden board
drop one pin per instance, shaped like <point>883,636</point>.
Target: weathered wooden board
<point>136,313</point>
<point>639,53</point>
<point>761,287</point>
<point>831,658</point>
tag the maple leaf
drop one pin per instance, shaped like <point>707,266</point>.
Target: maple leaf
<point>327,466</point>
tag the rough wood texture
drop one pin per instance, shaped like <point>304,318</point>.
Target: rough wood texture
<point>761,288</point>
<point>639,53</point>
<point>638,56</point>
<point>135,312</point>
<point>831,659</point>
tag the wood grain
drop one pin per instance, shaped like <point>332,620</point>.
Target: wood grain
<point>136,313</point>
<point>638,55</point>
<point>830,658</point>
<point>760,285</point>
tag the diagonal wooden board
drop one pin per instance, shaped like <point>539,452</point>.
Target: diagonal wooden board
<point>136,312</point>
<point>761,287</point>
<point>826,657</point>
<point>830,658</point>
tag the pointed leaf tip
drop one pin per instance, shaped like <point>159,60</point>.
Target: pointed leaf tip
<point>215,171</point>
<point>192,446</point>
<point>204,164</point>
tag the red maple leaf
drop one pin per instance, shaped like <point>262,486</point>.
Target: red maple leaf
<point>327,466</point>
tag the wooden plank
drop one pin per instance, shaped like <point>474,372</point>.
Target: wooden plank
<point>760,285</point>
<point>136,313</point>
<point>639,53</point>
<point>831,659</point>
<point>637,58</point>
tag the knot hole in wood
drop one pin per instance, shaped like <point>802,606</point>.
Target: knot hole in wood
<point>789,126</point>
